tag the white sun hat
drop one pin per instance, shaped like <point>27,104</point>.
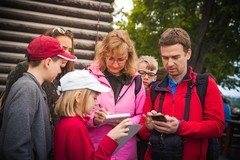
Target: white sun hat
<point>80,79</point>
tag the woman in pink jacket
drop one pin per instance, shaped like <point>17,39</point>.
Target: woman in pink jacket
<point>114,66</point>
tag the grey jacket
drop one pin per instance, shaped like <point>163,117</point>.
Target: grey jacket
<point>25,132</point>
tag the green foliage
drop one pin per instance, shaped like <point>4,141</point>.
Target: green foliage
<point>219,48</point>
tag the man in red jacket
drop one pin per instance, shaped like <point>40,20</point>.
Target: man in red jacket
<point>178,137</point>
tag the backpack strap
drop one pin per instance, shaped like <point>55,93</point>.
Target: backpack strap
<point>138,84</point>
<point>154,93</point>
<point>156,88</point>
<point>201,84</point>
<point>161,102</point>
<point>188,99</point>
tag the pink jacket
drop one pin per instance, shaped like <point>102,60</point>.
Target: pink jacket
<point>127,103</point>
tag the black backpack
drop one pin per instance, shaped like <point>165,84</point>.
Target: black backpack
<point>201,84</point>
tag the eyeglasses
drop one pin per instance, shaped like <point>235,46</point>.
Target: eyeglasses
<point>149,74</point>
<point>120,61</point>
<point>62,31</point>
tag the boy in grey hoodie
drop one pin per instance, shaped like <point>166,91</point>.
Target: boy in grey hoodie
<point>25,132</point>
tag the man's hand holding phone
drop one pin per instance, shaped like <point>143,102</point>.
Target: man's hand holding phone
<point>159,117</point>
<point>164,123</point>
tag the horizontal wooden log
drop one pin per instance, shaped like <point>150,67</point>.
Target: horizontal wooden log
<point>91,5</point>
<point>58,10</point>
<point>38,28</point>
<point>6,67</point>
<point>15,47</point>
<point>82,63</point>
<point>18,47</point>
<point>14,58</point>
<point>3,78</point>
<point>107,1</point>
<point>45,18</point>
<point>84,54</point>
<point>17,36</point>
<point>2,87</point>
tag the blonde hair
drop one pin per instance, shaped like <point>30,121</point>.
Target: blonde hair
<point>151,62</point>
<point>117,39</point>
<point>67,105</point>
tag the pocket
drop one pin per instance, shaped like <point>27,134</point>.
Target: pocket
<point>166,146</point>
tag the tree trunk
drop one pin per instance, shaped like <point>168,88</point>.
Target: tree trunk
<point>196,60</point>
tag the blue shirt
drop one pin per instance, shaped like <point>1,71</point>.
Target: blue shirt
<point>172,84</point>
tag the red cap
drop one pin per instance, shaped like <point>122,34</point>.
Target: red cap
<point>44,47</point>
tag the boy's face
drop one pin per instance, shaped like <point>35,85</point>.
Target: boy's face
<point>147,75</point>
<point>54,68</point>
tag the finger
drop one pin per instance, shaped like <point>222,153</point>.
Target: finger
<point>101,114</point>
<point>102,110</point>
<point>160,123</point>
<point>144,117</point>
<point>126,130</point>
<point>153,111</point>
<point>125,123</point>
<point>125,120</point>
<point>149,114</point>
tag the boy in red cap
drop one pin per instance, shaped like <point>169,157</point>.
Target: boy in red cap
<point>25,132</point>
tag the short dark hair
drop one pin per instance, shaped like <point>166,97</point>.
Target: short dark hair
<point>174,36</point>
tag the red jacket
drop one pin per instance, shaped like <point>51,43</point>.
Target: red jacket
<point>202,124</point>
<point>72,142</point>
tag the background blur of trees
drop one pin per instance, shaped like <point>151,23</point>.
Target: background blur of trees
<point>213,25</point>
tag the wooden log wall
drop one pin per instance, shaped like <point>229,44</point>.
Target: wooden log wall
<point>23,20</point>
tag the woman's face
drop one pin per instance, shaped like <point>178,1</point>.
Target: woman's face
<point>66,43</point>
<point>116,63</point>
<point>91,102</point>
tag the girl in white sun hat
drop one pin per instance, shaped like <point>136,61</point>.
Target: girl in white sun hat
<point>71,138</point>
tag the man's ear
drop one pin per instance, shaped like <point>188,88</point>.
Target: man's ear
<point>189,53</point>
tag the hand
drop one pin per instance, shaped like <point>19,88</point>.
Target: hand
<point>148,119</point>
<point>168,127</point>
<point>99,116</point>
<point>121,130</point>
<point>116,122</point>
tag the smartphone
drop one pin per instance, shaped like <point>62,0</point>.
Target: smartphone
<point>159,118</point>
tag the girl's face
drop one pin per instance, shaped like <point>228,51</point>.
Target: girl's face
<point>91,102</point>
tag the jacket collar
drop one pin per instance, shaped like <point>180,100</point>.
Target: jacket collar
<point>162,86</point>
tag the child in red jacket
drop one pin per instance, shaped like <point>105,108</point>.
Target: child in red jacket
<point>71,138</point>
